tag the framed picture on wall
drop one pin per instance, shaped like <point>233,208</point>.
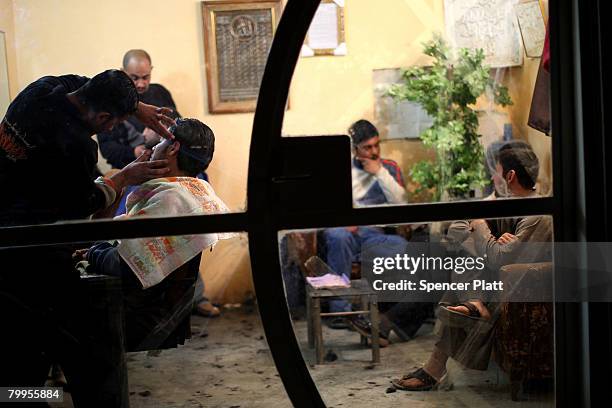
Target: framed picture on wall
<point>326,33</point>
<point>237,38</point>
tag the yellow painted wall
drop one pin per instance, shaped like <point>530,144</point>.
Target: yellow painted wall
<point>7,26</point>
<point>327,93</point>
<point>88,36</point>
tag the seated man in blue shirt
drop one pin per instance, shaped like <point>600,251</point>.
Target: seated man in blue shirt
<point>376,181</point>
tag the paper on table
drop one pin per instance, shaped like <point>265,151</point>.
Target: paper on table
<point>329,280</point>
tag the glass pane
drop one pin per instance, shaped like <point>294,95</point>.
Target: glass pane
<point>5,97</point>
<point>123,325</point>
<point>56,39</point>
<point>469,302</point>
<point>426,91</point>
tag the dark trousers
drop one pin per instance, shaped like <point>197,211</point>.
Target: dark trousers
<point>45,321</point>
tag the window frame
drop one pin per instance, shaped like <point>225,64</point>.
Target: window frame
<point>570,87</point>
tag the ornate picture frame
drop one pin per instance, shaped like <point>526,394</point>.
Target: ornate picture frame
<point>237,38</point>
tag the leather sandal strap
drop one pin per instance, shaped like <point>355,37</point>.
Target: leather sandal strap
<point>472,310</point>
<point>421,375</point>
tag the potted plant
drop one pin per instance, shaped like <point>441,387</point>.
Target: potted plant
<point>447,90</point>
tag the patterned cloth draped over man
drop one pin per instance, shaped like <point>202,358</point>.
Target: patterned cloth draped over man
<point>152,259</point>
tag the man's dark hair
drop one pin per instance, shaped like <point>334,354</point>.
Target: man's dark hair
<point>111,91</point>
<point>197,145</point>
<point>519,156</point>
<point>139,54</point>
<point>361,131</point>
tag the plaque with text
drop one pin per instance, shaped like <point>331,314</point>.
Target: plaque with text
<point>237,38</point>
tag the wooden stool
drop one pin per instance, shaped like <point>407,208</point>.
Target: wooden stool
<point>369,306</point>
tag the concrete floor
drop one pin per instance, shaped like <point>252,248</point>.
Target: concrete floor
<point>227,364</point>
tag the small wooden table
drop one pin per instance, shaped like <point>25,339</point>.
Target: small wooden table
<point>369,306</point>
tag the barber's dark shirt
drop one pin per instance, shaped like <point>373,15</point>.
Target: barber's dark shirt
<point>117,146</point>
<point>47,156</point>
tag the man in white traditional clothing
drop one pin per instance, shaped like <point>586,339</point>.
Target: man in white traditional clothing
<point>151,265</point>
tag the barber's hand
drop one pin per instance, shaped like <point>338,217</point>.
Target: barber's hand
<point>352,230</point>
<point>138,150</point>
<point>80,255</point>
<point>155,118</point>
<point>507,238</point>
<point>139,171</point>
<point>371,166</point>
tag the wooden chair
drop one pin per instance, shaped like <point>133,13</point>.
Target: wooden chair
<point>160,317</point>
<point>128,318</point>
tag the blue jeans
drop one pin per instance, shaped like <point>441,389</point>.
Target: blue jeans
<point>344,248</point>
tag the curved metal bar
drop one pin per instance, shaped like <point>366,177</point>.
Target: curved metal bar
<point>263,238</point>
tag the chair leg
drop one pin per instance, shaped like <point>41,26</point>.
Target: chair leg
<point>309,317</point>
<point>318,334</point>
<point>375,327</point>
<point>365,302</point>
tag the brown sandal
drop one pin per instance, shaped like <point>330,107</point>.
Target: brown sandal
<point>429,383</point>
<point>471,320</point>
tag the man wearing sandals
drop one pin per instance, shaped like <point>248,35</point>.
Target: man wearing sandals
<point>516,172</point>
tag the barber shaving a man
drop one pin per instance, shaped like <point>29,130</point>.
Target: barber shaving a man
<point>47,164</point>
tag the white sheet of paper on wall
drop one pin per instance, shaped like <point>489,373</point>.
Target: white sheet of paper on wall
<point>533,29</point>
<point>326,32</point>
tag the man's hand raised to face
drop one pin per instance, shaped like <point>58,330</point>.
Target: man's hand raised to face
<point>139,171</point>
<point>370,165</point>
<point>155,118</point>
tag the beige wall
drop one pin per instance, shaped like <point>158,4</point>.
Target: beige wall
<point>521,83</point>
<point>7,26</point>
<point>327,93</point>
<point>87,36</point>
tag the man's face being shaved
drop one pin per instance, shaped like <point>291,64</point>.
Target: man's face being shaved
<point>139,69</point>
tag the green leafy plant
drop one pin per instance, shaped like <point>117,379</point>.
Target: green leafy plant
<point>447,91</point>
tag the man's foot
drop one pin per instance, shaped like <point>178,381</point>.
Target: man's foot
<point>363,326</point>
<point>337,323</point>
<point>207,309</point>
<point>418,380</point>
<point>474,308</point>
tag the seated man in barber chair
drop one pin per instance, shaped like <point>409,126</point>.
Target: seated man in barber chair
<point>158,274</point>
